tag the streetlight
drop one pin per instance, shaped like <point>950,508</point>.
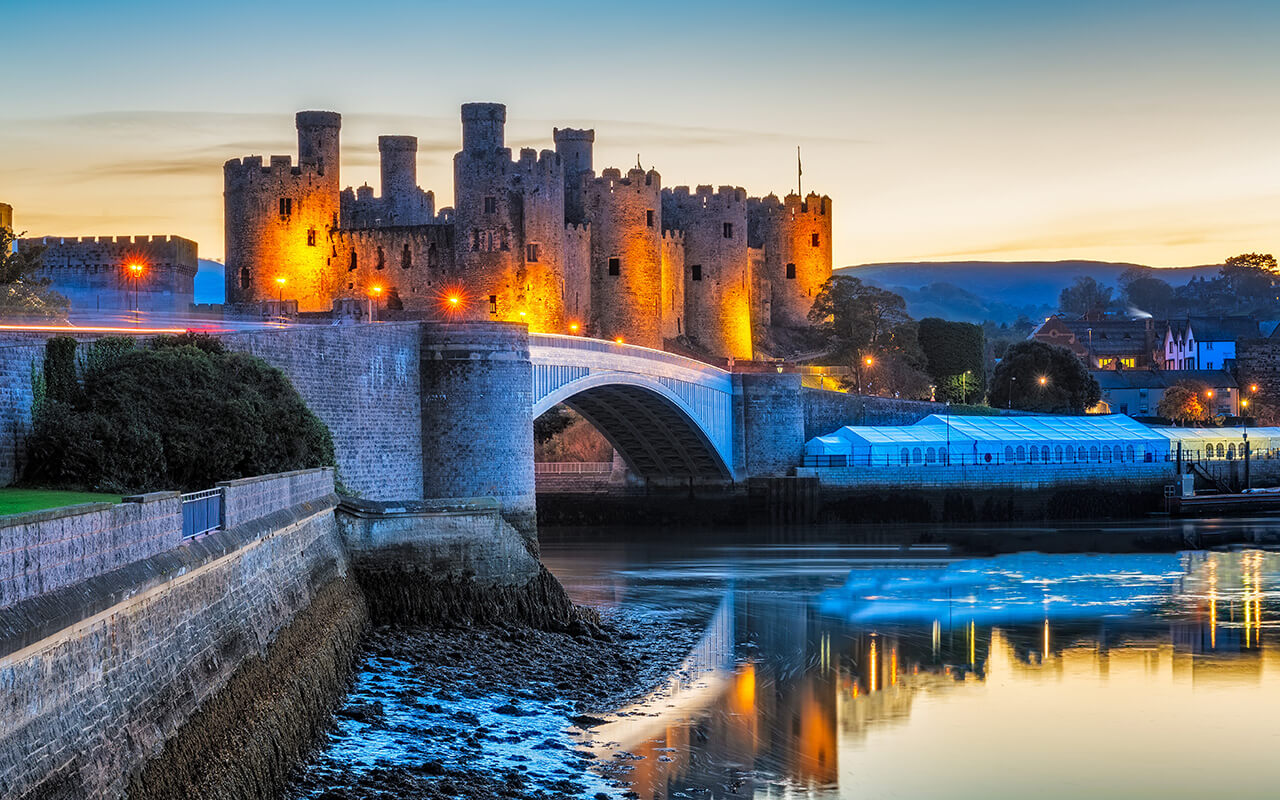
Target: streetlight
<point>868,361</point>
<point>573,327</point>
<point>135,272</point>
<point>376,292</point>
<point>1043,380</point>
<point>1012,378</point>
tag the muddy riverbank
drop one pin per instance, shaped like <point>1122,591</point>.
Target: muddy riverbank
<point>490,711</point>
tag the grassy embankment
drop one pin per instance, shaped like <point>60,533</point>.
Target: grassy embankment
<point>17,501</point>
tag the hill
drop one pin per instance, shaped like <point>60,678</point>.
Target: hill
<point>973,291</point>
<point>209,285</point>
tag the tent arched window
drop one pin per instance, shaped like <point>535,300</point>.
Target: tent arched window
<point>1044,453</point>
<point>906,456</point>
<point>931,456</point>
<point>1231,452</point>
<point>1082,455</point>
<point>1022,454</point>
<point>1106,453</point>
<point>943,456</point>
<point>1128,454</point>
<point>916,456</point>
<point>1035,454</point>
<point>1093,453</point>
<point>1057,453</point>
<point>1222,452</point>
<point>1008,453</point>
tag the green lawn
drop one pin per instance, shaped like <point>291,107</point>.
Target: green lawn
<point>16,501</point>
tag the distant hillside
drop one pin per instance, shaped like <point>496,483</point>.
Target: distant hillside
<point>210,287</point>
<point>973,291</point>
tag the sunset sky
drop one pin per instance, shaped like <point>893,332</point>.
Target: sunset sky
<point>1124,130</point>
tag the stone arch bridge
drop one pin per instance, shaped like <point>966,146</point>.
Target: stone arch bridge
<point>445,410</point>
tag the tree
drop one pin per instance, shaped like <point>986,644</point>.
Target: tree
<point>1250,275</point>
<point>1084,295</point>
<point>856,319</point>
<point>182,414</point>
<point>1149,294</point>
<point>1185,401</point>
<point>1036,376</point>
<point>954,354</point>
<point>22,294</point>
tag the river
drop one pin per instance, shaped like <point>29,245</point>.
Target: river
<point>829,663</point>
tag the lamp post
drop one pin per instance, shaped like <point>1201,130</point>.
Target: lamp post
<point>947,460</point>
<point>864,361</point>
<point>135,272</point>
<point>374,294</point>
<point>1012,378</point>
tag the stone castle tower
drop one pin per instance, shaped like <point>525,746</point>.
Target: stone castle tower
<point>6,216</point>
<point>539,239</point>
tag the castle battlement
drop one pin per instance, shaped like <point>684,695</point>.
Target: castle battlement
<point>635,177</point>
<point>706,197</point>
<point>251,167</point>
<point>50,241</point>
<point>583,228</point>
<point>812,203</point>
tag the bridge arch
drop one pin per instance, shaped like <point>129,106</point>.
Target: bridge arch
<point>653,428</point>
<point>670,417</point>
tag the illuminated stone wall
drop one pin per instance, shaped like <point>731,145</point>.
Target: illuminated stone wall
<point>6,216</point>
<point>363,382</point>
<point>717,296</point>
<point>577,277</point>
<point>626,238</point>
<point>673,276</point>
<point>797,233</point>
<point>412,266</point>
<point>91,272</point>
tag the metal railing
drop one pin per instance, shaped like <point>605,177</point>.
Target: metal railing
<point>572,467</point>
<point>202,512</point>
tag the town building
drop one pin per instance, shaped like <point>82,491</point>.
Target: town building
<point>1137,392</point>
<point>1102,342</point>
<point>538,238</point>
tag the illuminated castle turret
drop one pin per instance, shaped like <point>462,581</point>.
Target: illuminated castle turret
<point>538,239</point>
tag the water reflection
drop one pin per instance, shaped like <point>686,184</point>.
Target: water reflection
<point>1017,675</point>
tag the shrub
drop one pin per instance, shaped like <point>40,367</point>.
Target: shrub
<point>180,415</point>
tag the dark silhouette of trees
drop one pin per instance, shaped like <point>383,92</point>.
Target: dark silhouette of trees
<point>954,355</point>
<point>1185,401</point>
<point>1085,295</point>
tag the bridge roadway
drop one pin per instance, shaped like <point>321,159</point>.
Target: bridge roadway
<point>669,416</point>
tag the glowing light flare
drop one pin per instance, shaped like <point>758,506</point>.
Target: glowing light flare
<point>452,299</point>
<point>744,690</point>
<point>872,676</point>
<point>869,361</point>
<point>574,327</point>
<point>1253,387</point>
<point>1209,394</point>
<point>376,290</point>
<point>136,269</point>
<point>281,280</point>
<point>1043,380</point>
<point>619,340</point>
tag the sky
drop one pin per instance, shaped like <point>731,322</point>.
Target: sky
<point>1124,130</point>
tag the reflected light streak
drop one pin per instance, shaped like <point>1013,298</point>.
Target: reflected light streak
<point>873,666</point>
<point>1046,638</point>
<point>89,329</point>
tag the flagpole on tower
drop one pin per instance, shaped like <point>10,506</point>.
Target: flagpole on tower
<point>799,173</point>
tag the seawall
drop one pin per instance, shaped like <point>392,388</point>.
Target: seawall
<point>221,655</point>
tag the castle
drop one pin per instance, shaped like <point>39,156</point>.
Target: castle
<point>539,239</point>
<point>93,274</point>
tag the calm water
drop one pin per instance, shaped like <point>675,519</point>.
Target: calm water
<point>837,670</point>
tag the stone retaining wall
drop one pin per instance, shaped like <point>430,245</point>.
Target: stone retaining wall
<point>826,411</point>
<point>18,361</point>
<point>43,551</point>
<point>98,675</point>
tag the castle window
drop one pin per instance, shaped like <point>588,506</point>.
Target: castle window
<point>531,252</point>
<point>286,206</point>
<point>728,230</point>
<point>382,259</point>
<point>615,266</point>
<point>695,272</point>
<point>244,277</point>
<point>475,239</point>
<point>491,205</point>
<point>406,257</point>
<point>311,238</point>
<point>648,218</point>
<point>814,240</point>
<point>351,267</point>
<point>791,272</point>
<point>493,304</point>
<point>433,256</point>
